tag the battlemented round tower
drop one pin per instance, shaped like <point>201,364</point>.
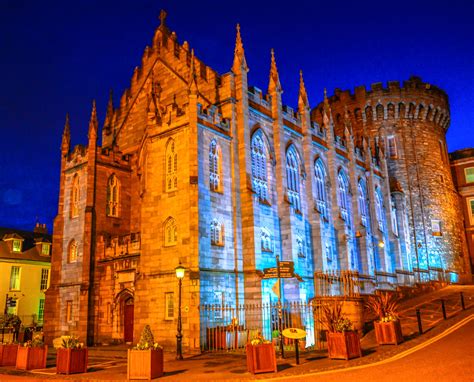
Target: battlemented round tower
<point>407,124</point>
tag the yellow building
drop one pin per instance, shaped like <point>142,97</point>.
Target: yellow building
<point>25,263</point>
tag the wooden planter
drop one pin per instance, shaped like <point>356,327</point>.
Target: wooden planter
<point>71,361</point>
<point>345,345</point>
<point>8,354</point>
<point>261,358</point>
<point>388,333</point>
<point>145,364</point>
<point>29,358</point>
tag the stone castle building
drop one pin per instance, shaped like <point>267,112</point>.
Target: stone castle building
<point>200,169</point>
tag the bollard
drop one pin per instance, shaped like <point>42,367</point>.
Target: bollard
<point>462,301</point>
<point>297,351</point>
<point>443,309</point>
<point>418,318</point>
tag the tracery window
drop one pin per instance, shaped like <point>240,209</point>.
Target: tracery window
<point>72,252</point>
<point>379,209</point>
<point>393,211</point>
<point>300,247</point>
<point>266,241</point>
<point>170,232</point>
<point>113,196</point>
<point>363,203</point>
<point>259,166</point>
<point>320,178</point>
<point>171,166</point>
<point>343,197</point>
<point>293,178</point>
<point>75,195</point>
<point>217,233</point>
<point>215,167</point>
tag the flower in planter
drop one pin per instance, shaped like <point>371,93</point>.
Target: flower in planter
<point>258,340</point>
<point>36,342</point>
<point>71,342</point>
<point>385,306</point>
<point>334,320</point>
<point>147,341</point>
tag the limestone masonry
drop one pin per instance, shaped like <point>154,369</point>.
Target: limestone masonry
<point>198,168</point>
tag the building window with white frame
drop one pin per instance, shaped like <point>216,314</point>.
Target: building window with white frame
<point>45,248</point>
<point>17,244</point>
<point>259,166</point>
<point>293,178</point>
<point>44,279</point>
<point>41,310</point>
<point>15,275</point>
<point>169,305</point>
<point>436,228</point>
<point>217,233</point>
<point>470,209</point>
<point>469,174</point>
<point>266,241</point>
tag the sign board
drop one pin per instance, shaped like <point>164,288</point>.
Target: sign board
<point>294,333</point>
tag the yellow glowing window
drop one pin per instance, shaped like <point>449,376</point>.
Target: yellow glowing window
<point>169,306</point>
<point>469,172</point>
<point>171,232</point>
<point>45,249</point>
<point>68,311</point>
<point>72,252</point>
<point>113,196</point>
<point>44,279</point>
<point>15,278</point>
<point>75,197</point>
<point>16,245</point>
<point>41,310</point>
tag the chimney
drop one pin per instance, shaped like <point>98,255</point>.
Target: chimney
<point>40,228</point>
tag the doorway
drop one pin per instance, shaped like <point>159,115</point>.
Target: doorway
<point>128,313</point>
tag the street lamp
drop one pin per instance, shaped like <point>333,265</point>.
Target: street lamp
<point>179,337</point>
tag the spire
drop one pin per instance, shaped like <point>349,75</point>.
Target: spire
<point>274,84</point>
<point>93,123</point>
<point>347,122</point>
<point>66,142</point>
<point>303,96</point>
<point>110,113</point>
<point>162,18</point>
<point>192,83</point>
<point>239,54</point>
<point>327,109</point>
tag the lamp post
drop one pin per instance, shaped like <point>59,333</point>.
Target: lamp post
<point>179,337</point>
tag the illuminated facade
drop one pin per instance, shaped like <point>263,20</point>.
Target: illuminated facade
<point>200,169</point>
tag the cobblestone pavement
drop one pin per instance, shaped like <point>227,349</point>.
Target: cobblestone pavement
<point>110,363</point>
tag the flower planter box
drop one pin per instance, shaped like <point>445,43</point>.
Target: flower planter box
<point>29,358</point>
<point>261,358</point>
<point>71,361</point>
<point>8,354</point>
<point>388,333</point>
<point>345,345</point>
<point>145,364</point>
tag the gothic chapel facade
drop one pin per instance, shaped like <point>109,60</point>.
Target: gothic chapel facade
<point>199,169</point>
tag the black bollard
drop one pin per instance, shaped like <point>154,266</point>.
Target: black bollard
<point>418,318</point>
<point>462,302</point>
<point>297,351</point>
<point>443,308</point>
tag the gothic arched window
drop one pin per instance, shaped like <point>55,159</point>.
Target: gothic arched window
<point>215,167</point>
<point>217,233</point>
<point>113,196</point>
<point>343,197</point>
<point>393,210</point>
<point>171,166</point>
<point>379,209</point>
<point>259,166</point>
<point>170,232</point>
<point>266,241</point>
<point>72,251</point>
<point>320,177</point>
<point>363,203</point>
<point>293,178</point>
<point>75,196</point>
<point>300,247</point>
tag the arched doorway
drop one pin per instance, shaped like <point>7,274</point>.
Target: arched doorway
<point>128,313</point>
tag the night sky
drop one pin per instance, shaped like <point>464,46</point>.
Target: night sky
<point>56,56</point>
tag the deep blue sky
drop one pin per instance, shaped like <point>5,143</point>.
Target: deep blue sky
<point>56,56</point>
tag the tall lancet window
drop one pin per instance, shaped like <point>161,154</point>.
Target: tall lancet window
<point>363,203</point>
<point>170,232</point>
<point>171,166</point>
<point>379,209</point>
<point>75,196</point>
<point>217,233</point>
<point>113,196</point>
<point>215,167</point>
<point>259,166</point>
<point>344,197</point>
<point>320,178</point>
<point>293,178</point>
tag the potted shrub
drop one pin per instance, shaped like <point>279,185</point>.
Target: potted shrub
<point>8,352</point>
<point>387,327</point>
<point>32,355</point>
<point>71,357</point>
<point>145,360</point>
<point>343,342</point>
<point>261,356</point>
